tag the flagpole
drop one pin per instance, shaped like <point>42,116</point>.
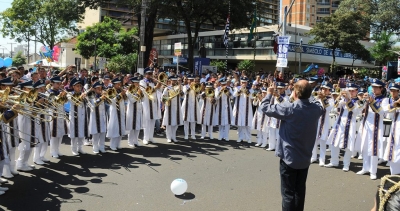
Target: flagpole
<point>226,34</point>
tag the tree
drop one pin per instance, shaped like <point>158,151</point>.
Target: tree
<point>125,63</point>
<point>195,13</point>
<point>106,39</point>
<point>339,31</point>
<point>192,13</point>
<point>44,21</point>
<point>381,15</point>
<point>219,64</point>
<point>382,51</point>
<point>246,65</point>
<point>19,59</point>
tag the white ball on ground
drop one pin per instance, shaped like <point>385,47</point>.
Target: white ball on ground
<point>179,186</point>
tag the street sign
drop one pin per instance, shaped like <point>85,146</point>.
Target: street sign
<point>178,49</point>
<point>78,62</point>
<point>102,63</point>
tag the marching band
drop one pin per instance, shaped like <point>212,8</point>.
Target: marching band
<point>33,117</point>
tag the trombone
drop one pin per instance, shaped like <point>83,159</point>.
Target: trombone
<point>19,131</point>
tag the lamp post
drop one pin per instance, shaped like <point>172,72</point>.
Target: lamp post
<point>300,51</point>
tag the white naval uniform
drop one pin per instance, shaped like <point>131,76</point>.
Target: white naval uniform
<point>243,114</point>
<point>5,145</point>
<point>77,125</point>
<point>28,126</point>
<point>207,113</point>
<point>323,129</point>
<point>41,148</point>
<point>259,123</point>
<point>116,124</point>
<point>223,113</point>
<point>372,135</point>
<point>190,111</point>
<point>98,124</point>
<point>343,134</point>
<point>172,115</point>
<point>392,151</point>
<point>134,118</point>
<point>58,128</point>
<point>274,123</point>
<point>151,111</point>
<point>10,143</point>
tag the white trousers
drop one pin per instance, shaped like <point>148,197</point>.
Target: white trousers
<point>273,137</point>
<point>98,141</point>
<point>224,132</point>
<point>23,157</point>
<point>192,128</point>
<point>259,137</point>
<point>76,144</point>
<point>244,133</point>
<point>335,156</point>
<point>394,168</point>
<point>170,132</point>
<point>370,163</point>
<point>1,167</point>
<point>55,143</point>
<point>322,150</point>
<point>148,129</point>
<point>133,137</point>
<point>204,131</point>
<point>9,163</point>
<point>39,151</point>
<point>115,142</point>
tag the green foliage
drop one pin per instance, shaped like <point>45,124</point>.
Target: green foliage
<point>380,15</point>
<point>382,51</point>
<point>247,65</point>
<point>125,63</point>
<point>367,72</point>
<point>219,64</point>
<point>106,39</point>
<point>18,59</point>
<point>44,21</point>
<point>340,31</point>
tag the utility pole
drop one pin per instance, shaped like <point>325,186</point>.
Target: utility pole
<point>11,51</point>
<point>142,37</point>
<point>300,51</point>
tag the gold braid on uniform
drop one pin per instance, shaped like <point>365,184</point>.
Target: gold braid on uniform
<point>384,195</point>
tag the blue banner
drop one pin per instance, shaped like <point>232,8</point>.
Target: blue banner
<point>199,63</point>
<point>321,51</point>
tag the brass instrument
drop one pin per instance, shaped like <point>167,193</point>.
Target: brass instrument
<point>19,131</point>
<point>174,92</point>
<point>30,95</point>
<point>255,93</point>
<point>4,94</point>
<point>148,91</point>
<point>196,87</point>
<point>224,90</point>
<point>397,104</point>
<point>210,93</point>
<point>162,79</point>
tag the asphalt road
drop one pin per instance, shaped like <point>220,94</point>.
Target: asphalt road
<point>220,176</point>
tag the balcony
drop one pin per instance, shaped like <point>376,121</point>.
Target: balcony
<point>323,3</point>
<point>335,5</point>
<point>323,12</point>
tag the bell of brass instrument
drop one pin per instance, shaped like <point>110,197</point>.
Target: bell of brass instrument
<point>162,78</point>
<point>195,87</point>
<point>132,89</point>
<point>4,94</point>
<point>210,93</point>
<point>175,91</point>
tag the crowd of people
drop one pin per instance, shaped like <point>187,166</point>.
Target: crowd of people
<point>40,107</point>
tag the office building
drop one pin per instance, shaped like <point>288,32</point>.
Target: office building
<point>309,12</point>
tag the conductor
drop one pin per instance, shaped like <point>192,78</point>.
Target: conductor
<point>298,130</point>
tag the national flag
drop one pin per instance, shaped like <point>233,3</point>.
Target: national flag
<point>252,27</point>
<point>226,34</point>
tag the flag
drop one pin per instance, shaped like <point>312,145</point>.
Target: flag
<point>226,35</point>
<point>252,27</point>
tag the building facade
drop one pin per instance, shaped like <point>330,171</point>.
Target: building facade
<point>261,50</point>
<point>309,12</point>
